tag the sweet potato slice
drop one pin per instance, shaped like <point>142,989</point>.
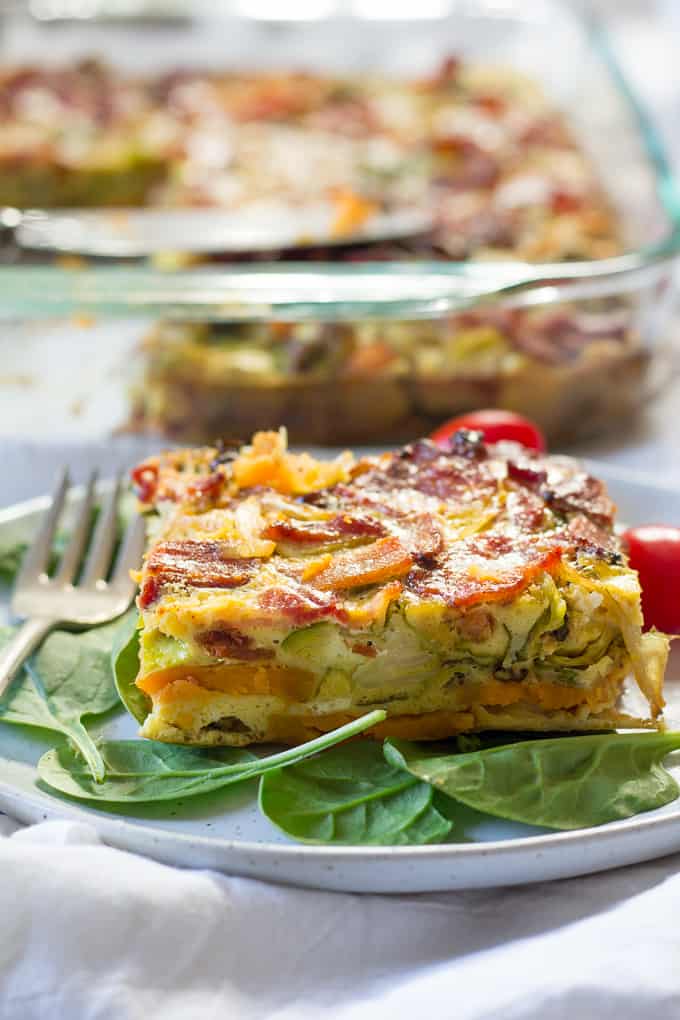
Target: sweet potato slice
<point>383,560</point>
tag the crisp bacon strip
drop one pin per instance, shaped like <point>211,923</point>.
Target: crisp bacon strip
<point>229,643</point>
<point>424,537</point>
<point>383,560</point>
<point>301,607</point>
<point>206,488</point>
<point>525,509</point>
<point>194,564</point>
<point>344,527</point>
<point>563,487</point>
<point>580,493</point>
<point>586,534</point>
<point>457,476</point>
<point>179,476</point>
<point>487,568</point>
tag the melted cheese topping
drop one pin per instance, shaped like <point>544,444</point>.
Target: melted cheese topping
<point>267,462</point>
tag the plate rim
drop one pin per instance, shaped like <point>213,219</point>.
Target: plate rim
<point>551,841</point>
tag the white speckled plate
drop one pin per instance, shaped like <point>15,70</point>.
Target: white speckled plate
<point>226,832</point>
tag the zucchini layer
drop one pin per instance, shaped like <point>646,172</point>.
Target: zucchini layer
<point>186,711</point>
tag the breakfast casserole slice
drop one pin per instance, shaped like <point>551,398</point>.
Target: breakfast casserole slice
<point>475,588</point>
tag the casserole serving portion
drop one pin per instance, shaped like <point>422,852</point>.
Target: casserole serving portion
<point>479,142</point>
<point>489,152</point>
<point>471,588</point>
<point>570,368</point>
<point>84,135</point>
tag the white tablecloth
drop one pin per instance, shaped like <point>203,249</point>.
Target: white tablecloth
<point>92,933</point>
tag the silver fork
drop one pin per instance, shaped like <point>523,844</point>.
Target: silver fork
<point>45,602</point>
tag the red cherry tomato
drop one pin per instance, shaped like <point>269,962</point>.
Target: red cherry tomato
<point>654,551</point>
<point>495,425</point>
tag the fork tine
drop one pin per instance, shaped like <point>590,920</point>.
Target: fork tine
<point>130,555</point>
<point>73,553</point>
<point>99,557</point>
<point>37,558</point>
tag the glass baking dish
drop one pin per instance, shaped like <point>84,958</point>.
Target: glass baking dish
<point>376,351</point>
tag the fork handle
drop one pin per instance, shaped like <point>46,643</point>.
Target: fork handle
<point>26,640</point>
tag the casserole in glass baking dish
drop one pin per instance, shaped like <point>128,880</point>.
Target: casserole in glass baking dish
<point>526,163</point>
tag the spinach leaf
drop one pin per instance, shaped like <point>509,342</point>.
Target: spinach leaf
<point>22,704</point>
<point>73,673</point>
<point>10,559</point>
<point>12,553</point>
<point>351,795</point>
<point>560,783</point>
<point>125,666</point>
<point>141,770</point>
<point>68,678</point>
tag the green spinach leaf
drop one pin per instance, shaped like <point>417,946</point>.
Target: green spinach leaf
<point>560,783</point>
<point>141,770</point>
<point>10,559</point>
<point>68,678</point>
<point>125,666</point>
<point>73,673</point>
<point>351,795</point>
<point>22,704</point>
<point>12,553</point>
